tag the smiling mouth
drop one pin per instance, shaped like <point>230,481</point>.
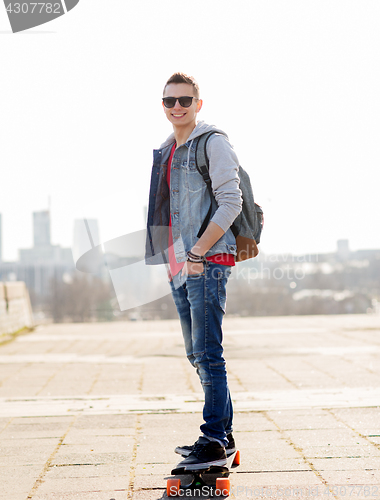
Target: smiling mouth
<point>178,115</point>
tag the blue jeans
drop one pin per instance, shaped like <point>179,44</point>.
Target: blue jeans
<point>201,303</point>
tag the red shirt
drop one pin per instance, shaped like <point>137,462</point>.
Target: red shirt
<point>226,259</point>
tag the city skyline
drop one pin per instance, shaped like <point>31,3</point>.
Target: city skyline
<point>42,250</point>
<point>86,235</point>
<point>339,281</point>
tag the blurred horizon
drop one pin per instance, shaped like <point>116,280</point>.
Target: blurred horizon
<point>111,281</point>
<point>99,241</point>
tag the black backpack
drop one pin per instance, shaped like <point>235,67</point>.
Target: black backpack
<point>249,223</point>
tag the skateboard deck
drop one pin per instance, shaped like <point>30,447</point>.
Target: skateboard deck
<point>213,481</point>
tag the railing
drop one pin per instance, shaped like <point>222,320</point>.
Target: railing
<point>15,309</point>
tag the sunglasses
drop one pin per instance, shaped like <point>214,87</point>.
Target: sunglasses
<point>184,101</point>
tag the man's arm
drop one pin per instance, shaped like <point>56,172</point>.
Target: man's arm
<point>212,234</point>
<point>225,184</point>
<point>223,171</point>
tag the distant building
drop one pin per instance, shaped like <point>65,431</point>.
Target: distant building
<point>46,255</point>
<point>343,250</point>
<point>43,252</point>
<point>38,266</point>
<point>37,277</point>
<point>41,229</point>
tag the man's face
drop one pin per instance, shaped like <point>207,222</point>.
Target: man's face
<point>178,115</point>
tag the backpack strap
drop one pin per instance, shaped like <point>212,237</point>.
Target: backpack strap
<point>202,163</point>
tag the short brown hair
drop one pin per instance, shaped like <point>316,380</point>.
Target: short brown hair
<point>183,78</point>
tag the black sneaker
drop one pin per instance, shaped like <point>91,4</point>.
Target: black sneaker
<point>205,453</point>
<point>186,450</point>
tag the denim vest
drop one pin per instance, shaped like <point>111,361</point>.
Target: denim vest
<point>188,203</point>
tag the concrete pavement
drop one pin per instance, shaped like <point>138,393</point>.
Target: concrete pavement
<point>94,411</point>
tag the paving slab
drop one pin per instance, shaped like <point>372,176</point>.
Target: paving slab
<point>83,495</point>
<point>21,495</point>
<point>74,456</point>
<point>94,411</point>
<point>355,451</point>
<point>87,471</point>
<point>84,484</point>
<point>361,477</point>
<point>346,464</point>
<point>18,479</point>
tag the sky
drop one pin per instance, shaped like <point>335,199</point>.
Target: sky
<point>294,84</point>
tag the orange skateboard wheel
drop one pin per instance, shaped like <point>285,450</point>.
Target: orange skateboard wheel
<point>236,458</point>
<point>172,487</point>
<point>223,486</point>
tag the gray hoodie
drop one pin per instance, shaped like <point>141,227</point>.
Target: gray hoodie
<point>223,170</point>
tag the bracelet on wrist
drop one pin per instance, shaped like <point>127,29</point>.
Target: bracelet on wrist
<point>196,259</point>
<point>194,255</point>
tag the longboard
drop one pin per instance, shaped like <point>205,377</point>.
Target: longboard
<point>218,483</point>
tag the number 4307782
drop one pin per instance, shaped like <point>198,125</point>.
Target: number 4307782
<point>38,8</point>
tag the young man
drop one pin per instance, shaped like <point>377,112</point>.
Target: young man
<point>198,268</point>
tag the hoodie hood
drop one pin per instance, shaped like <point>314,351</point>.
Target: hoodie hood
<point>200,129</point>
